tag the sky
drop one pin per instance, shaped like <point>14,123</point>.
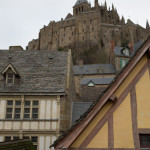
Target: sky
<point>21,20</point>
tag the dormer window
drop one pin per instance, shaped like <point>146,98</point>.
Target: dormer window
<point>99,70</point>
<point>10,78</point>
<point>10,73</point>
<point>91,84</point>
<point>126,52</point>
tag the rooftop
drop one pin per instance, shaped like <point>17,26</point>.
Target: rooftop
<point>96,81</point>
<point>39,71</point>
<point>93,69</point>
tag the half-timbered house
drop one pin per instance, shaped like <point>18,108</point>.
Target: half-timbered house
<point>120,118</point>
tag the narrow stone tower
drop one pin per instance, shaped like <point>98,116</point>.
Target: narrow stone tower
<point>96,4</point>
<point>80,6</point>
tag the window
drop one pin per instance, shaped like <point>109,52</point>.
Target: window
<point>91,84</point>
<point>13,108</point>
<point>10,77</point>
<point>16,138</point>
<point>99,70</point>
<point>30,109</point>
<point>126,52</point>
<point>35,110</point>
<point>90,21</point>
<point>27,110</point>
<point>7,138</point>
<point>145,141</point>
<point>123,62</point>
<point>82,8</point>
<point>9,109</point>
<point>34,140</point>
<point>17,109</point>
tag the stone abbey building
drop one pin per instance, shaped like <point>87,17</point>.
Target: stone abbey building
<point>99,28</point>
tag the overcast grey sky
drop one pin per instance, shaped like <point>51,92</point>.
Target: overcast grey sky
<point>21,20</point>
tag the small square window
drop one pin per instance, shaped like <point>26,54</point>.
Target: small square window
<point>9,110</point>
<point>34,139</point>
<point>9,102</point>
<point>16,138</point>
<point>17,110</point>
<point>17,103</point>
<point>145,141</point>
<point>7,138</point>
<point>27,103</point>
<point>8,116</point>
<point>35,103</point>
<point>26,137</point>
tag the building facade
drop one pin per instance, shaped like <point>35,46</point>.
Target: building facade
<point>94,77</point>
<point>36,94</point>
<point>120,118</point>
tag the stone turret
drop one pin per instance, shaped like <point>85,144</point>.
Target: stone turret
<point>80,6</point>
<point>147,24</point>
<point>96,4</point>
<point>122,20</point>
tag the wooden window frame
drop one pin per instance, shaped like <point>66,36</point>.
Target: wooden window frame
<point>8,78</point>
<point>33,113</point>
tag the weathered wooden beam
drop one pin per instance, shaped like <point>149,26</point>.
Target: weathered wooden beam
<point>113,98</point>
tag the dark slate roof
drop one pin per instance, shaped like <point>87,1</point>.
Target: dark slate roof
<point>92,69</point>
<point>118,50</point>
<point>79,108</point>
<point>97,81</point>
<point>137,45</point>
<point>24,144</point>
<point>90,94</point>
<point>40,71</point>
<point>80,1</point>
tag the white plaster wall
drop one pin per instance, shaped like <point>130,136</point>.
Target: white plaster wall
<point>25,125</point>
<point>34,125</point>
<point>48,110</point>
<point>2,109</point>
<point>1,125</point>
<point>8,125</point>
<point>47,143</point>
<point>42,125</point>
<point>41,143</point>
<point>54,125</point>
<point>48,126</point>
<point>54,110</point>
<point>16,125</point>
<point>42,109</point>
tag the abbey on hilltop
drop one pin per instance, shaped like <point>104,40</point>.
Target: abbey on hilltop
<point>99,28</point>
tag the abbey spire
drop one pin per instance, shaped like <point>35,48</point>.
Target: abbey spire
<point>147,24</point>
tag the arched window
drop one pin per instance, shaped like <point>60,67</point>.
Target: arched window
<point>76,11</point>
<point>82,8</point>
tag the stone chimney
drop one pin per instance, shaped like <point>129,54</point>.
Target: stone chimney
<point>130,45</point>
<point>15,48</point>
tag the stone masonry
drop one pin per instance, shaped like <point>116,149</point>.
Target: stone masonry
<point>89,32</point>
